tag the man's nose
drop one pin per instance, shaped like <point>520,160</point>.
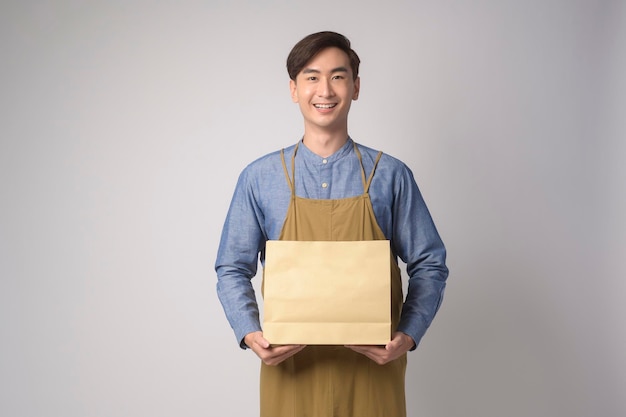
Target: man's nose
<point>325,88</point>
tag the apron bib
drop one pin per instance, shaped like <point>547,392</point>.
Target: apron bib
<point>334,381</point>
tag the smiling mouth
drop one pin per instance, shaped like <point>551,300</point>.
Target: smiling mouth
<point>325,106</point>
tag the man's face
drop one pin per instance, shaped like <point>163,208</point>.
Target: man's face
<point>324,90</point>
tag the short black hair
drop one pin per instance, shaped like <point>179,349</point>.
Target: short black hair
<point>313,44</point>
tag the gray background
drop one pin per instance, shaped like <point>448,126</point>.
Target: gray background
<point>124,126</point>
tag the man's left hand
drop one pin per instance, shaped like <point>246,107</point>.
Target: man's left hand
<point>400,344</point>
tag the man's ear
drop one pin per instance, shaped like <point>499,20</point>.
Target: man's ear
<point>294,92</point>
<point>357,88</point>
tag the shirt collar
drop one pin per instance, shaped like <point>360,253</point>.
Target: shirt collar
<point>311,157</point>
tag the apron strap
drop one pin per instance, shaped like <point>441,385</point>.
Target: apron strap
<point>369,181</point>
<point>290,181</point>
<point>366,184</point>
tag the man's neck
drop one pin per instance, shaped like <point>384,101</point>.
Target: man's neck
<point>325,144</point>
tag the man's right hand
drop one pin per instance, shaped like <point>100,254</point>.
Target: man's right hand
<point>268,354</point>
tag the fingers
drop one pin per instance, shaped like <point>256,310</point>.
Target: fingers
<point>378,354</point>
<point>399,345</point>
<point>268,354</point>
<point>401,341</point>
<point>394,344</point>
<point>275,355</point>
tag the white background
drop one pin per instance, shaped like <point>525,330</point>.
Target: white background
<point>124,126</point>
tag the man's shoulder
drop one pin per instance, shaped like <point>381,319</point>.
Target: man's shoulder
<point>386,160</point>
<point>268,162</point>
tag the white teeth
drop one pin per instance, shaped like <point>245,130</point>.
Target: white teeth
<point>325,106</point>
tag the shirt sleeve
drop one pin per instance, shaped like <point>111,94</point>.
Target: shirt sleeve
<point>237,259</point>
<point>418,244</point>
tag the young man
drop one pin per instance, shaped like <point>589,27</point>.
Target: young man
<point>328,166</point>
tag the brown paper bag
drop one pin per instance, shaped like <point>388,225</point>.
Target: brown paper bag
<point>327,293</point>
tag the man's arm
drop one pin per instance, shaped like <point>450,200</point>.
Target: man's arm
<point>418,244</point>
<point>237,259</point>
<point>415,240</point>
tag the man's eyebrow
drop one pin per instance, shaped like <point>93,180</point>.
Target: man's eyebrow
<point>316,71</point>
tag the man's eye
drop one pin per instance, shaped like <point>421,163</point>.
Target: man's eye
<point>312,78</point>
<point>338,77</point>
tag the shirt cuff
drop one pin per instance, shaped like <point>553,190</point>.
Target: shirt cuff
<point>241,334</point>
<point>415,332</point>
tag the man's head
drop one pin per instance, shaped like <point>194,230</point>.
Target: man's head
<point>305,50</point>
<point>324,82</point>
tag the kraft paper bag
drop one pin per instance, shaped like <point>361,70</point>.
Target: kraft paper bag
<point>327,293</point>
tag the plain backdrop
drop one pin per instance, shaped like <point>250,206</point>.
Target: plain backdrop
<point>124,126</point>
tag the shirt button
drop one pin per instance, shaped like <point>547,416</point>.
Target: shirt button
<point>324,161</point>
<point>324,185</point>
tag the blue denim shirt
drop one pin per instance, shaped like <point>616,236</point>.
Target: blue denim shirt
<point>259,206</point>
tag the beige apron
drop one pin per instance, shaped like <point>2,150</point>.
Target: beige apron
<point>334,381</point>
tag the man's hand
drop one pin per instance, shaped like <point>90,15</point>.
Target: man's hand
<point>268,354</point>
<point>399,345</point>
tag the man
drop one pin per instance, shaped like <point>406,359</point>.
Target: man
<point>328,166</point>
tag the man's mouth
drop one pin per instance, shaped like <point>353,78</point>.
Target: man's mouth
<point>325,106</point>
